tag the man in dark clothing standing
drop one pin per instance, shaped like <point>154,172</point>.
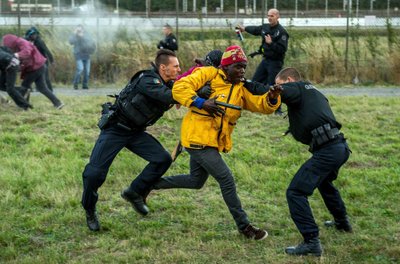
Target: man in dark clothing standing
<point>33,36</point>
<point>151,96</point>
<point>312,122</point>
<point>169,42</point>
<point>9,67</point>
<point>274,43</point>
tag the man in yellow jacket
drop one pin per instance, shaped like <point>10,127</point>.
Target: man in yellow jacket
<point>206,129</point>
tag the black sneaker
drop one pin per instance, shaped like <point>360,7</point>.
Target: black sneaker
<point>60,106</point>
<point>136,200</point>
<point>311,247</point>
<point>92,220</point>
<point>75,87</point>
<point>340,224</point>
<point>252,232</point>
<point>146,194</point>
<point>27,107</point>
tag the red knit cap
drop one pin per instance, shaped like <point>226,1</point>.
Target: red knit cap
<point>233,54</point>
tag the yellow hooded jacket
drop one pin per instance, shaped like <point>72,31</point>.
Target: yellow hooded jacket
<point>200,129</point>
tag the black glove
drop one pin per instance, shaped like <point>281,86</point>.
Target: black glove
<point>204,92</point>
<point>161,44</point>
<point>213,109</point>
<point>248,84</point>
<point>274,91</point>
<point>255,53</point>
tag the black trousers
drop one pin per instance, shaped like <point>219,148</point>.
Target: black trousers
<point>38,77</point>
<point>110,142</point>
<point>267,71</point>
<point>318,172</point>
<point>7,83</point>
<point>205,162</point>
<point>47,76</point>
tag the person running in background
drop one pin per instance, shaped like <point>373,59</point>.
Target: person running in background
<point>33,66</point>
<point>9,67</point>
<point>33,36</point>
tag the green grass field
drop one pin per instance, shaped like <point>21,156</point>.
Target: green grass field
<point>44,151</point>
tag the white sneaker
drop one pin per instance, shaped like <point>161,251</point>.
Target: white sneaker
<point>60,106</point>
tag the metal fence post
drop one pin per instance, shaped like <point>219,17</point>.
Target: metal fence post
<point>177,20</point>
<point>347,36</point>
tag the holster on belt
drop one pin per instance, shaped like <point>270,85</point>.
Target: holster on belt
<point>323,135</point>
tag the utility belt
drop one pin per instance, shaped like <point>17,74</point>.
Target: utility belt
<point>110,116</point>
<point>324,135</point>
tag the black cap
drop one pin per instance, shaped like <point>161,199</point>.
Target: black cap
<point>30,32</point>
<point>213,58</point>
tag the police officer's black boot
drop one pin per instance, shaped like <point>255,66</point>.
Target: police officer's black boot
<point>340,224</point>
<point>136,200</point>
<point>310,246</point>
<point>92,220</point>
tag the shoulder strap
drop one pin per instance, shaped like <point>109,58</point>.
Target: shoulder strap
<point>136,75</point>
<point>209,81</point>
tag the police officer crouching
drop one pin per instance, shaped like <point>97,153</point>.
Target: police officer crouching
<point>312,122</point>
<point>140,104</point>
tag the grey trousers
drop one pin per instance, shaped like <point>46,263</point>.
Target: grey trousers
<point>204,162</point>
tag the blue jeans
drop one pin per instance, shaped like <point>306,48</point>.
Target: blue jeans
<point>202,163</point>
<point>318,172</point>
<point>82,66</point>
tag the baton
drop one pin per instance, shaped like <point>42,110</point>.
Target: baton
<point>236,107</point>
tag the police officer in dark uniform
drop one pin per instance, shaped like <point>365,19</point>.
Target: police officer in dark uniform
<point>312,122</point>
<point>274,44</point>
<point>169,42</point>
<point>150,95</point>
<point>9,67</point>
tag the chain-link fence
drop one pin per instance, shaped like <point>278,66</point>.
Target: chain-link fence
<point>350,41</point>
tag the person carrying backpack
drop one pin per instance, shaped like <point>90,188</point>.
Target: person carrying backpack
<point>143,101</point>
<point>33,35</point>
<point>84,46</point>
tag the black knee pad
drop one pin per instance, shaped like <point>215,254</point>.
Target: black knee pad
<point>94,176</point>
